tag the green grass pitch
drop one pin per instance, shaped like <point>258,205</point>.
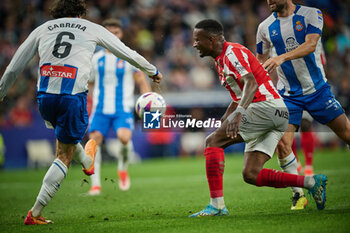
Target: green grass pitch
<point>165,191</point>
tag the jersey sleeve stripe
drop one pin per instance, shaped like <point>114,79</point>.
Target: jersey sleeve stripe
<point>259,48</point>
<point>312,29</point>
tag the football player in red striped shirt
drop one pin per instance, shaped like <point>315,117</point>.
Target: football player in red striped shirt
<point>257,116</point>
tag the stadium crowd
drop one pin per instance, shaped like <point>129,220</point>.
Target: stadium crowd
<point>161,30</point>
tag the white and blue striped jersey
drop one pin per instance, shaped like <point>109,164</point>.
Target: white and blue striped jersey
<point>65,47</point>
<point>279,35</point>
<point>114,84</point>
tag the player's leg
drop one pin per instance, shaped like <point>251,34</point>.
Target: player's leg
<point>294,149</point>
<point>257,152</point>
<point>289,164</point>
<point>86,157</point>
<point>123,125</point>
<point>215,164</point>
<point>69,117</point>
<point>308,145</point>
<point>124,136</point>
<point>96,177</point>
<point>253,173</point>
<point>99,127</point>
<point>286,158</point>
<point>341,127</point>
<point>324,108</point>
<point>51,182</point>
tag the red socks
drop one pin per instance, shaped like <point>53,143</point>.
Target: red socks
<point>278,179</point>
<point>294,149</point>
<point>307,143</point>
<point>215,164</point>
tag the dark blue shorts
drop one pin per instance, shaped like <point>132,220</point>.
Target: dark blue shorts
<point>321,105</point>
<point>102,122</point>
<point>67,114</point>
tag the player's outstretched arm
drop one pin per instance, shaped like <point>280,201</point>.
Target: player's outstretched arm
<point>309,46</point>
<point>107,40</point>
<point>21,58</point>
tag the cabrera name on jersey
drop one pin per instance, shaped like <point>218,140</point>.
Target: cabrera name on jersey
<point>279,35</point>
<point>114,84</point>
<point>65,48</point>
<point>62,72</point>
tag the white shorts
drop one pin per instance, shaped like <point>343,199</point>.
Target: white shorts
<point>263,125</point>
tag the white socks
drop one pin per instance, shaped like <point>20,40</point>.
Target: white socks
<point>217,202</point>
<point>81,157</point>
<point>96,178</point>
<point>309,182</point>
<point>289,165</point>
<point>51,183</point>
<point>123,157</point>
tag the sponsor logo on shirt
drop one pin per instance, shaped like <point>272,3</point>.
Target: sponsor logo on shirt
<point>238,66</point>
<point>291,44</point>
<point>58,71</point>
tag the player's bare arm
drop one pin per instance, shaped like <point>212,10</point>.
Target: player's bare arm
<point>232,107</point>
<point>141,82</point>
<point>303,50</point>
<point>249,89</point>
<point>262,58</point>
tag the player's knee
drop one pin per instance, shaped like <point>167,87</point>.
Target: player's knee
<point>124,135</point>
<point>97,136</point>
<point>210,141</point>
<point>124,140</point>
<point>250,176</point>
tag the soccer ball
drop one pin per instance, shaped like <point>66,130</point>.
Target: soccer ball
<point>150,102</point>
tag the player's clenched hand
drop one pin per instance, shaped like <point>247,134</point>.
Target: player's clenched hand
<point>234,121</point>
<point>271,64</point>
<point>157,78</point>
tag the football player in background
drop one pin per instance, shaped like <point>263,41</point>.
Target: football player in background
<point>257,115</point>
<point>66,45</point>
<point>292,36</point>
<point>113,104</point>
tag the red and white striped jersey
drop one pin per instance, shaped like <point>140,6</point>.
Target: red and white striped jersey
<point>233,63</point>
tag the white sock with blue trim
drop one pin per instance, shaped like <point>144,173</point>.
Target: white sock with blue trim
<point>81,157</point>
<point>289,165</point>
<point>96,178</point>
<point>51,183</point>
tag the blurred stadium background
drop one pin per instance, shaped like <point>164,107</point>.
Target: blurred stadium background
<point>161,30</point>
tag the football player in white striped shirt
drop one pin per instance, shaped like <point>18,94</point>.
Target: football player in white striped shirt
<point>66,45</point>
<point>113,101</point>
<point>291,37</point>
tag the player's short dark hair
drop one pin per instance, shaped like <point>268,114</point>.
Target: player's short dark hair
<point>112,23</point>
<point>68,8</point>
<point>210,25</point>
